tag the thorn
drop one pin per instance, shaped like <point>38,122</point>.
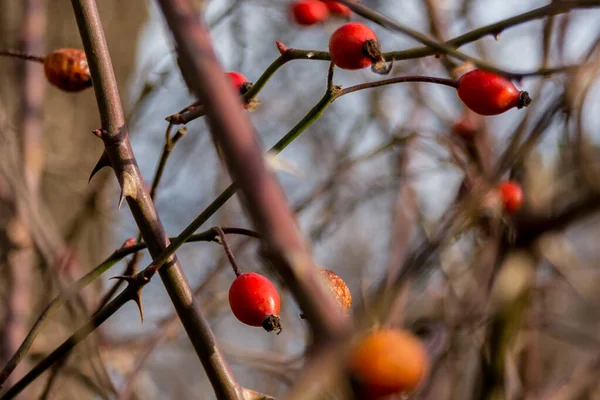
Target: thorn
<point>102,162</point>
<point>130,279</point>
<point>136,281</point>
<point>138,300</point>
<point>128,187</point>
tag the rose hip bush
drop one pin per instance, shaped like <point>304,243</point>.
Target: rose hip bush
<point>429,237</point>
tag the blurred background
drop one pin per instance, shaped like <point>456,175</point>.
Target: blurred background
<point>377,172</point>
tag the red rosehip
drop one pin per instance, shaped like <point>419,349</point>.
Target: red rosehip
<point>255,301</point>
<point>489,94</point>
<point>337,8</point>
<point>68,70</point>
<point>354,46</point>
<point>309,12</point>
<point>465,129</point>
<point>240,82</point>
<point>512,196</point>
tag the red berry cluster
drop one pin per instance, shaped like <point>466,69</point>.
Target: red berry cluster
<point>311,12</point>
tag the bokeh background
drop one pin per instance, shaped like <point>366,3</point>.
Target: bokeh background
<point>361,190</point>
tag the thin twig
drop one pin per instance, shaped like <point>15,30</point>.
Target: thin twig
<point>21,55</point>
<point>71,342</point>
<point>228,252</point>
<point>90,277</point>
<point>264,200</point>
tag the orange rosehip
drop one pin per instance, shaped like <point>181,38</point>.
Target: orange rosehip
<point>389,361</point>
<point>68,70</point>
<point>339,288</point>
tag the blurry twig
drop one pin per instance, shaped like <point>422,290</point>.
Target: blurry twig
<point>90,277</point>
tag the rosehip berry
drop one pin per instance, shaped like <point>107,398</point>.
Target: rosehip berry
<point>337,8</point>
<point>512,196</point>
<point>388,362</point>
<point>489,94</point>
<point>255,301</point>
<point>465,129</point>
<point>339,288</point>
<point>240,82</point>
<point>354,46</point>
<point>309,12</point>
<point>68,70</point>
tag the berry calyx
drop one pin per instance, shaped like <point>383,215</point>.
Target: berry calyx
<point>68,70</point>
<point>388,362</point>
<point>355,46</point>
<point>254,301</point>
<point>309,12</point>
<point>337,8</point>
<point>489,94</point>
<point>512,196</point>
<point>338,288</point>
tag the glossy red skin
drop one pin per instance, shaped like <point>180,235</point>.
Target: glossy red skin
<point>237,79</point>
<point>68,70</point>
<point>309,12</point>
<point>346,46</point>
<point>338,8</point>
<point>487,93</point>
<point>512,196</point>
<point>252,298</point>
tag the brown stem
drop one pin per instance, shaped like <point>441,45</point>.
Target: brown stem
<point>68,345</point>
<point>21,261</point>
<point>228,251</point>
<point>264,200</point>
<point>122,158</point>
<point>21,55</point>
<point>400,79</point>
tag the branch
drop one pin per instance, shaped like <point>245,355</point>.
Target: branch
<point>434,47</point>
<point>71,342</point>
<point>118,149</point>
<point>262,195</point>
<point>66,295</point>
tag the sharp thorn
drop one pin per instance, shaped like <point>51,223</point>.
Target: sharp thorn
<point>102,162</point>
<point>138,300</point>
<point>128,187</point>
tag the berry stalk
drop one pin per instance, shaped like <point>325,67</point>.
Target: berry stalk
<point>230,257</point>
<point>21,55</point>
